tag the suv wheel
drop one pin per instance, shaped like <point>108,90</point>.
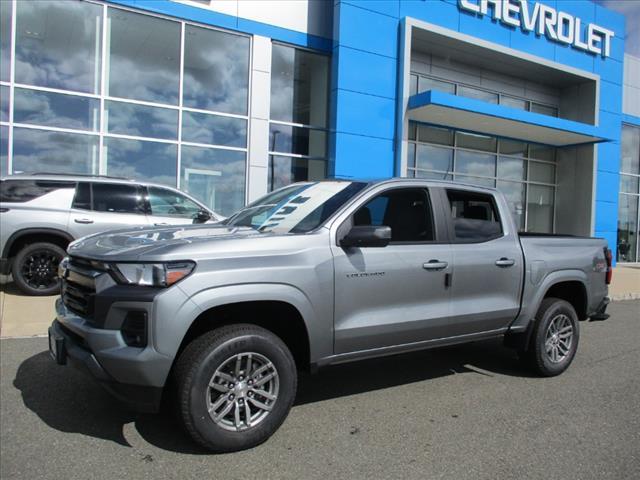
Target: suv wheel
<point>554,341</point>
<point>35,268</point>
<point>236,385</point>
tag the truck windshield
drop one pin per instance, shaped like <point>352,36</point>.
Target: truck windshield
<point>298,208</point>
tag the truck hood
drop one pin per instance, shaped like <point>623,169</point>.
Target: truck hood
<point>133,243</point>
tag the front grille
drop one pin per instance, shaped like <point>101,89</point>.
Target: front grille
<point>78,287</point>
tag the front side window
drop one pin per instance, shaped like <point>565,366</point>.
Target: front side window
<point>167,203</point>
<point>406,211</point>
<point>118,198</point>
<point>474,216</point>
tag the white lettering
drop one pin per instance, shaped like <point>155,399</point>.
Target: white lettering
<point>566,36</point>
<point>544,20</point>
<point>510,11</point>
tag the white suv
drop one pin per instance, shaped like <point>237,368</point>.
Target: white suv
<point>41,214</point>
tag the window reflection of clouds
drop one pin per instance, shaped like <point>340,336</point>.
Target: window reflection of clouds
<point>141,120</point>
<point>223,188</point>
<point>144,57</point>
<point>56,45</point>
<point>55,109</point>
<point>152,161</point>
<point>216,71</point>
<point>55,152</point>
<point>5,40</point>
<point>476,163</point>
<point>4,149</point>
<point>4,103</point>
<point>214,129</point>
<point>512,168</point>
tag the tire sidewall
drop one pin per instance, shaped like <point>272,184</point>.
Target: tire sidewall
<point>212,358</point>
<point>546,366</point>
<point>19,262</point>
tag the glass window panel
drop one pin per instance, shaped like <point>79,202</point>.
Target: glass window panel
<point>542,172</point>
<point>216,177</point>
<point>136,159</point>
<point>434,158</point>
<point>118,198</point>
<point>302,141</point>
<point>544,109</point>
<point>514,102</point>
<point>54,152</point>
<point>441,136</point>
<point>475,163</point>
<point>540,209</point>
<point>5,39</point>
<point>512,147</point>
<point>58,45</point>
<point>4,103</point>
<point>411,155</point>
<point>629,183</point>
<point>432,175</point>
<point>4,150</point>
<point>483,182</point>
<point>475,216</point>
<point>425,83</point>
<point>299,84</point>
<point>542,152</point>
<point>627,228</point>
<point>216,70</point>
<point>144,57</point>
<point>286,170</point>
<point>141,120</point>
<point>413,85</point>
<point>630,149</point>
<point>477,94</point>
<point>512,168</point>
<point>214,129</point>
<point>56,109</point>
<point>476,142</point>
<point>514,193</point>
<point>413,126</point>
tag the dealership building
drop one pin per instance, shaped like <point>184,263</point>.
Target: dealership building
<point>228,99</point>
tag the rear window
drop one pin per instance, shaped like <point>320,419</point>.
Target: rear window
<point>20,191</point>
<point>475,216</point>
<point>118,198</point>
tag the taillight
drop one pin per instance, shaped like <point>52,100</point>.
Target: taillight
<point>608,257</point>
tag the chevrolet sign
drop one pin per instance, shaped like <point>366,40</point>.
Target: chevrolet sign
<point>544,20</point>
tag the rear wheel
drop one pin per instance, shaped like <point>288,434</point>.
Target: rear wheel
<point>35,268</point>
<point>554,340</point>
<point>236,385</point>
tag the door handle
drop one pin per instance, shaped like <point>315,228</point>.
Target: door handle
<point>161,224</point>
<point>435,265</point>
<point>505,262</point>
<point>83,220</point>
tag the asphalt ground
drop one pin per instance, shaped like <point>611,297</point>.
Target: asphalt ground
<point>456,413</point>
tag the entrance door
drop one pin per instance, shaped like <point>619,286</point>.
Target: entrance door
<point>395,294</point>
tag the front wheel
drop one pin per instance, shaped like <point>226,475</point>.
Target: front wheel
<point>236,385</point>
<point>555,337</point>
<point>35,268</point>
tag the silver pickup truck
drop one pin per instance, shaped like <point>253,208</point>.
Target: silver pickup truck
<point>311,275</point>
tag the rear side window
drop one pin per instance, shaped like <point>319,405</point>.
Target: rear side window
<point>20,191</point>
<point>406,210</point>
<point>82,199</point>
<point>118,198</point>
<point>475,216</point>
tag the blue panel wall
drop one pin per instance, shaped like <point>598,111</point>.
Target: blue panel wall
<point>366,44</point>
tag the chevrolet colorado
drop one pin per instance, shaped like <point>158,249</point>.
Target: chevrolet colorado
<point>315,274</point>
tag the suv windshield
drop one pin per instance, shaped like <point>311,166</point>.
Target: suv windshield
<point>298,208</point>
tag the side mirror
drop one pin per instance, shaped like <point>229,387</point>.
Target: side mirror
<point>202,216</point>
<point>367,236</point>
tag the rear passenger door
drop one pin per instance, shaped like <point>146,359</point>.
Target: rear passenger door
<point>487,263</point>
<point>98,207</point>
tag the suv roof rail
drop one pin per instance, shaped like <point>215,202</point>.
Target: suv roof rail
<point>88,175</point>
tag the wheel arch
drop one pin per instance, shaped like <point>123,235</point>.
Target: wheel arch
<point>31,235</point>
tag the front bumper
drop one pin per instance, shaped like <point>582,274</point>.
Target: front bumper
<point>134,375</point>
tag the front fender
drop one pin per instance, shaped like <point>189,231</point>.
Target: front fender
<point>175,326</point>
<point>534,294</point>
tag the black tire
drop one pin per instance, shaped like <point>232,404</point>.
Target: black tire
<point>537,356</point>
<point>195,369</point>
<point>35,268</point>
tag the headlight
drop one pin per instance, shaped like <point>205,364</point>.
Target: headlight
<point>152,274</point>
